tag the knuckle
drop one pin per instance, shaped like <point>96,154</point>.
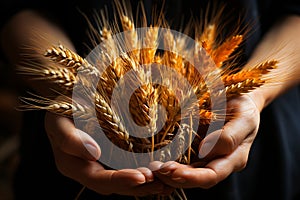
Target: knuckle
<point>242,164</point>
<point>229,142</point>
<point>232,142</point>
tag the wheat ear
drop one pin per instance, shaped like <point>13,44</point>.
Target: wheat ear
<point>70,59</point>
<point>222,52</point>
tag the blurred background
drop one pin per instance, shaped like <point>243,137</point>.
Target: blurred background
<point>10,126</point>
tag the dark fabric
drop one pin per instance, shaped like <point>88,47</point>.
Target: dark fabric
<point>274,161</point>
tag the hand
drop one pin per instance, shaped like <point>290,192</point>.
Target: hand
<point>76,155</point>
<point>228,155</point>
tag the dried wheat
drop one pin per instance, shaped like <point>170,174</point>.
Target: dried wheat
<point>136,55</point>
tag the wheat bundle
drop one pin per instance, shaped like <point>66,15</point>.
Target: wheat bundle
<point>189,83</point>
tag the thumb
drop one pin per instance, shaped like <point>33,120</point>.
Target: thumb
<point>89,144</point>
<point>65,137</point>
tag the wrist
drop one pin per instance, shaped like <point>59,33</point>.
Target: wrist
<point>259,99</point>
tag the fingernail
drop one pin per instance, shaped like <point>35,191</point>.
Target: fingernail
<point>209,143</point>
<point>141,182</point>
<point>92,150</point>
<point>89,143</point>
<point>205,149</point>
<point>150,180</point>
<point>154,166</point>
<point>164,171</point>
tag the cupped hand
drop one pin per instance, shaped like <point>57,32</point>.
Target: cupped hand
<point>225,151</point>
<point>76,155</point>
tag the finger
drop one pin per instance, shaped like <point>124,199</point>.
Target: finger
<point>185,176</point>
<point>167,168</point>
<point>234,132</point>
<point>224,141</point>
<point>235,161</point>
<point>189,177</point>
<point>63,135</point>
<point>166,174</point>
<point>162,171</point>
<point>147,173</point>
<point>93,175</point>
<point>155,165</point>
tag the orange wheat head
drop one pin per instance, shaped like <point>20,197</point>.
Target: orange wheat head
<point>147,79</point>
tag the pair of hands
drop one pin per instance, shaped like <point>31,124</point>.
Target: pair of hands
<point>76,153</point>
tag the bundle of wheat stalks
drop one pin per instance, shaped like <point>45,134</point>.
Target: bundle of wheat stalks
<point>200,67</point>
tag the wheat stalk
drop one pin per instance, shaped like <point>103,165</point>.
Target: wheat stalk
<point>70,59</point>
<point>222,52</point>
<point>64,78</point>
<point>68,71</point>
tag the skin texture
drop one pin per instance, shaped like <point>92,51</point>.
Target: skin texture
<point>69,145</point>
<point>230,154</point>
<point>76,153</point>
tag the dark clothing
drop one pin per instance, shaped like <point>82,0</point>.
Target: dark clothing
<point>273,169</point>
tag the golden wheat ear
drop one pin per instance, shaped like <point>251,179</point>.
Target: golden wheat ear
<point>214,55</point>
<point>256,72</point>
<point>62,105</point>
<point>55,76</point>
<point>225,50</point>
<point>208,38</point>
<point>71,60</point>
